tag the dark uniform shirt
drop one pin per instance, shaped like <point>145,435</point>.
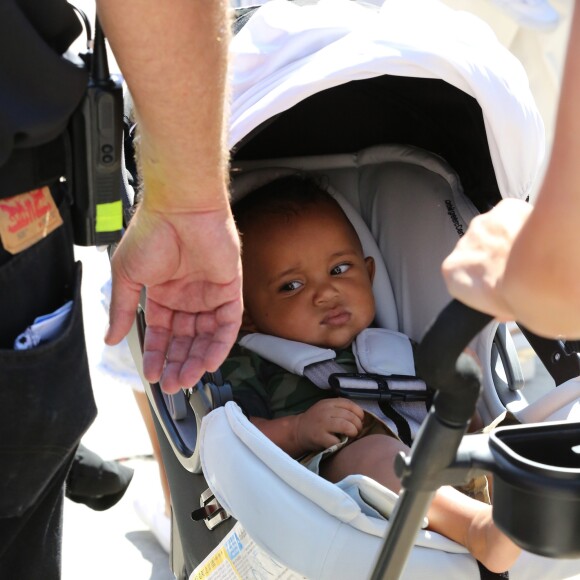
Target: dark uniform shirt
<point>39,90</point>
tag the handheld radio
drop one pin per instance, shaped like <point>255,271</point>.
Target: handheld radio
<point>96,140</point>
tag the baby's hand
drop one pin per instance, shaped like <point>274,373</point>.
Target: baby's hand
<point>323,424</point>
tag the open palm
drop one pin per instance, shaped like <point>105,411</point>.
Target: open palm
<point>189,264</point>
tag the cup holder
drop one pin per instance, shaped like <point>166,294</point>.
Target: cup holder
<point>537,486</point>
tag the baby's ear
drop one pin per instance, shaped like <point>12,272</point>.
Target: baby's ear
<point>370,264</point>
<point>248,323</point>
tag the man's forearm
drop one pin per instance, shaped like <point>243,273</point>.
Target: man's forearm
<point>173,56</point>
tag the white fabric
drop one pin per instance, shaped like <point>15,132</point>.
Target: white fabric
<point>308,524</point>
<point>384,352</point>
<point>288,354</point>
<point>542,54</point>
<point>376,350</point>
<point>375,183</point>
<point>316,528</point>
<point>287,52</point>
<point>559,404</point>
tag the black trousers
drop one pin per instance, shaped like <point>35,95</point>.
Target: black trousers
<point>46,402</point>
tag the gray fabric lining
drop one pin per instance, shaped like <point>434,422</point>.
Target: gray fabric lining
<point>413,233</point>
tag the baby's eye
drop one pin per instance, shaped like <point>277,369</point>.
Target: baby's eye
<point>290,286</point>
<point>340,269</point>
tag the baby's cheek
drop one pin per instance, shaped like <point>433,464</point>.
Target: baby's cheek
<point>280,320</point>
<point>369,317</point>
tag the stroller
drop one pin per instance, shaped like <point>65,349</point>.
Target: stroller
<point>418,120</point>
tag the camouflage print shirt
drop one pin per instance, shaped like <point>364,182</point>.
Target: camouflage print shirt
<point>264,389</point>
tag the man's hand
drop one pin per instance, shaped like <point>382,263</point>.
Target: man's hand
<point>189,263</point>
<point>475,269</point>
<point>320,426</point>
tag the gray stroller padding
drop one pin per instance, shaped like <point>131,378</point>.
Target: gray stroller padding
<point>387,192</point>
<point>378,352</point>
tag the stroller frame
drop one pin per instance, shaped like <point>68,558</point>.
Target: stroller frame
<point>468,153</point>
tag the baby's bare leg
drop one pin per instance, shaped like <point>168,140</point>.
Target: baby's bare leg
<point>470,523</point>
<point>372,455</point>
<point>453,514</point>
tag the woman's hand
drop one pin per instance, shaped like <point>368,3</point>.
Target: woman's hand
<point>475,268</point>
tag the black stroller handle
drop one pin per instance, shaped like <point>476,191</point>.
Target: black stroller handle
<point>446,339</point>
<point>536,467</point>
<point>442,365</point>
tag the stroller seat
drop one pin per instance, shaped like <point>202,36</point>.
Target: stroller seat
<point>324,529</point>
<point>319,529</point>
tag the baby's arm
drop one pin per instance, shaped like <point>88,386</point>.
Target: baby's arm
<point>317,428</point>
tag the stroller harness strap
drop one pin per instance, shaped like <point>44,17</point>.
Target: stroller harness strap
<point>385,385</point>
<point>374,394</point>
<point>377,351</point>
<point>319,373</point>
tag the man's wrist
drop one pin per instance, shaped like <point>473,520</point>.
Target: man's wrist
<point>202,196</point>
<point>168,185</point>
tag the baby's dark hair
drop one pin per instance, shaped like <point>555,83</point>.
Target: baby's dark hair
<point>287,196</point>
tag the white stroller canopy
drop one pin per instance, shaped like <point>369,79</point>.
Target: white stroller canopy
<point>284,55</point>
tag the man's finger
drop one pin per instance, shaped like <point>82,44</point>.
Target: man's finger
<point>220,346</point>
<point>228,320</point>
<point>154,352</point>
<point>124,301</point>
<point>169,379</point>
<point>178,349</point>
<point>184,323</point>
<point>191,371</point>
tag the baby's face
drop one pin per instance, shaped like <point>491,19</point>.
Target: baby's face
<point>306,279</point>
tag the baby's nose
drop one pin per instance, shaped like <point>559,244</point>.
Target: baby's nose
<point>324,292</point>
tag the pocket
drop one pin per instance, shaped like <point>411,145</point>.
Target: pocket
<point>46,404</point>
<point>38,280</point>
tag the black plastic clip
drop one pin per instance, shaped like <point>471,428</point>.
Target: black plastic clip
<point>378,390</point>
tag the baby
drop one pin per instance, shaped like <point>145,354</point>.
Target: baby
<point>306,279</point>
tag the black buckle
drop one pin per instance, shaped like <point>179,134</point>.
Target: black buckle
<point>380,391</point>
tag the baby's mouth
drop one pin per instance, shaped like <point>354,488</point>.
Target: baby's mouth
<point>336,318</point>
